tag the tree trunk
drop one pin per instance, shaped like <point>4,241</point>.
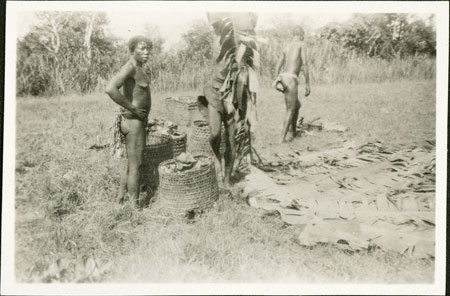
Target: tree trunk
<point>87,37</point>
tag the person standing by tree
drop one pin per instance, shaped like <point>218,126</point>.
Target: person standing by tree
<point>135,102</point>
<point>227,97</point>
<point>294,57</point>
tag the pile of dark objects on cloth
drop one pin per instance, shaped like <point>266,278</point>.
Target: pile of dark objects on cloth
<point>355,197</point>
<point>316,124</point>
<point>184,162</point>
<point>161,126</point>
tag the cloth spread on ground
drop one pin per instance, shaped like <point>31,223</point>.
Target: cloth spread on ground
<point>354,197</point>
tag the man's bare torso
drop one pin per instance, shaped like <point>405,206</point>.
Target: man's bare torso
<point>293,62</point>
<point>137,88</point>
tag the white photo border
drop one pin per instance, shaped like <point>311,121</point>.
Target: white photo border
<point>13,9</point>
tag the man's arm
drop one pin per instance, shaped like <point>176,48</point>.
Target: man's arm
<point>280,64</point>
<point>277,83</point>
<point>305,70</point>
<point>112,89</point>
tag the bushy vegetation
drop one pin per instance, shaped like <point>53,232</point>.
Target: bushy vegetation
<point>366,48</point>
<point>67,51</point>
<point>73,52</point>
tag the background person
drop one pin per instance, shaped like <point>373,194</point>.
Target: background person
<point>294,59</point>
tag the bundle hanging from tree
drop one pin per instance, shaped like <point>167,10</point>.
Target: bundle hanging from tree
<point>241,62</point>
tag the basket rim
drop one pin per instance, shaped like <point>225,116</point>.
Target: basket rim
<point>157,133</point>
<point>178,134</point>
<point>185,97</point>
<point>197,123</point>
<point>160,135</point>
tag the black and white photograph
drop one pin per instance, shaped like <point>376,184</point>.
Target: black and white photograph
<point>215,147</point>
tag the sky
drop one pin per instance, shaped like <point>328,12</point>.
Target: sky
<point>173,24</point>
<point>127,18</point>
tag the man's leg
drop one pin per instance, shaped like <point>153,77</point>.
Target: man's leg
<point>295,117</point>
<point>135,149</point>
<point>123,185</point>
<point>215,124</point>
<point>229,156</point>
<point>202,104</point>
<point>124,175</point>
<point>291,100</point>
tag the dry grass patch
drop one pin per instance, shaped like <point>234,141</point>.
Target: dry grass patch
<point>68,227</point>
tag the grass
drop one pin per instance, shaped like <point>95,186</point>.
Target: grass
<point>65,209</point>
<point>399,112</point>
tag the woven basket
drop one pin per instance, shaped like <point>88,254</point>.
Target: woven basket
<point>199,141</point>
<point>193,189</point>
<point>179,143</point>
<point>158,149</point>
<point>181,109</point>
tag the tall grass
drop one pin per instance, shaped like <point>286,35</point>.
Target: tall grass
<point>176,71</point>
<point>69,70</point>
<point>330,63</point>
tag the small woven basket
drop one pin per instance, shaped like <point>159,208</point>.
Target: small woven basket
<point>179,143</point>
<point>158,149</point>
<point>193,189</point>
<point>199,141</point>
<point>181,109</point>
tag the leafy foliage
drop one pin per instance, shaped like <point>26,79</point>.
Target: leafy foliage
<point>238,52</point>
<point>383,35</point>
<point>62,53</point>
<point>198,41</point>
<point>240,57</point>
<point>363,49</point>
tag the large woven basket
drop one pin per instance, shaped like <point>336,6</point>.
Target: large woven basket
<point>181,109</point>
<point>193,189</point>
<point>179,143</point>
<point>199,141</point>
<point>158,149</point>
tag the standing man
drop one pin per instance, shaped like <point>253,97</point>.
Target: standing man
<point>135,102</point>
<point>225,98</point>
<point>212,107</point>
<point>294,57</point>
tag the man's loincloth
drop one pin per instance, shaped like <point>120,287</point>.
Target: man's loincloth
<point>118,139</point>
<point>130,115</point>
<point>211,97</point>
<point>284,78</point>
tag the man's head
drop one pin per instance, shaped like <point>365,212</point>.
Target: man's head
<point>299,32</point>
<point>140,47</point>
